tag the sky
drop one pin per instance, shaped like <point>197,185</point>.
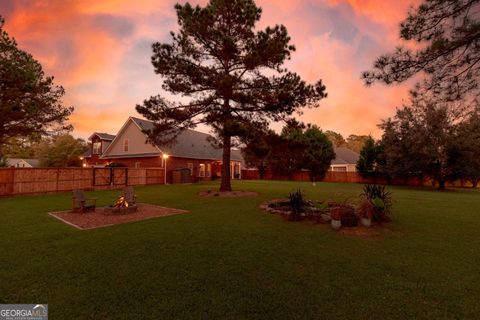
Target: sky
<point>99,51</point>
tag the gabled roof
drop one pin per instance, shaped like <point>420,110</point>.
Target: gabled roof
<point>14,161</point>
<point>189,144</point>
<point>103,136</point>
<point>345,156</point>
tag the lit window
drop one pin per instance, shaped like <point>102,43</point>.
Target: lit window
<point>190,167</point>
<point>97,147</point>
<point>207,174</point>
<point>125,145</point>
<point>201,170</point>
<point>137,164</point>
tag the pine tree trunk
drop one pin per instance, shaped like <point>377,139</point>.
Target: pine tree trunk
<point>475,182</point>
<point>225,184</point>
<point>441,185</point>
<point>261,172</point>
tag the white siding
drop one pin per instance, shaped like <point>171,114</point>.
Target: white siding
<point>137,143</point>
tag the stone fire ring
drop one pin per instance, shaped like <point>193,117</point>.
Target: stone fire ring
<point>111,210</point>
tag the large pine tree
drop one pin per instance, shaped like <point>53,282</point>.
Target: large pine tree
<point>30,103</point>
<point>446,35</point>
<point>229,75</point>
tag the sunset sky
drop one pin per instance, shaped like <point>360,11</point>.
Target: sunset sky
<point>100,50</point>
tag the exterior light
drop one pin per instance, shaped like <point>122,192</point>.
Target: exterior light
<point>84,165</point>
<point>165,157</point>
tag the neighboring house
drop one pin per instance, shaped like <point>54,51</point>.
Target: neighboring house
<point>129,146</point>
<point>345,160</point>
<point>22,163</point>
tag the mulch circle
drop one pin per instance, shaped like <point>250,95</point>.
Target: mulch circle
<point>98,219</point>
<point>227,194</point>
<point>375,231</point>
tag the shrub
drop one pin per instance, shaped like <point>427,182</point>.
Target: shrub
<point>366,209</point>
<point>297,203</point>
<point>115,165</point>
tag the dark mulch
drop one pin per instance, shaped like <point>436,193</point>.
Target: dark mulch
<point>97,219</point>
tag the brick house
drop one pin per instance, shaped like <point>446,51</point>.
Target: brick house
<point>129,146</point>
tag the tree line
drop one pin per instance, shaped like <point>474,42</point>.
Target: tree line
<point>426,139</point>
<point>437,134</point>
<point>297,147</point>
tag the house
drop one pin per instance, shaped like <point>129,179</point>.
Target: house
<point>345,160</point>
<point>22,163</point>
<point>192,150</point>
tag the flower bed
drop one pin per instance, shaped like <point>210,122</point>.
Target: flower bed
<point>375,205</point>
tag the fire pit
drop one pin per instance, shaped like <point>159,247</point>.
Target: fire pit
<point>121,206</point>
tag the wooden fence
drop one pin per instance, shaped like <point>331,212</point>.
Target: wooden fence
<point>350,177</point>
<point>15,181</point>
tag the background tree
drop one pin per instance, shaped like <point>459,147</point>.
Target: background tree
<point>421,141</point>
<point>61,151</point>
<point>336,138</point>
<point>468,148</point>
<point>228,73</point>
<point>369,163</point>
<point>356,142</point>
<point>287,153</point>
<point>257,146</point>
<point>30,103</point>
<point>21,147</point>
<point>447,33</point>
<point>318,154</point>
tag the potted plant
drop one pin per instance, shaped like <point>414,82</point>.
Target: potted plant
<point>381,199</point>
<point>366,211</point>
<point>324,211</point>
<point>336,215</point>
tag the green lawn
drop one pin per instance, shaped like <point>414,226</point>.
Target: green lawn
<point>228,260</point>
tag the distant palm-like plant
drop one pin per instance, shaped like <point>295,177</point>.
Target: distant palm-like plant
<point>296,202</point>
<point>380,199</point>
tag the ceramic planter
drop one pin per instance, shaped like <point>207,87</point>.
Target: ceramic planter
<point>336,224</point>
<point>366,222</point>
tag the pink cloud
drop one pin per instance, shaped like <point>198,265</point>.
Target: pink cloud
<point>99,51</point>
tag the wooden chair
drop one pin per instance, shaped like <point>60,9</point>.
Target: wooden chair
<point>129,195</point>
<point>82,205</point>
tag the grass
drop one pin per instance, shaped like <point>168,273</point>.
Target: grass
<point>228,260</point>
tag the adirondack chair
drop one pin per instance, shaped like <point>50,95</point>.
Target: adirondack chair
<point>80,204</point>
<point>129,195</point>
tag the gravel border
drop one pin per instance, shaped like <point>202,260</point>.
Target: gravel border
<point>97,219</point>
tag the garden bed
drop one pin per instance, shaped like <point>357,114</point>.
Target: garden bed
<point>372,209</point>
<point>227,194</point>
<point>98,219</point>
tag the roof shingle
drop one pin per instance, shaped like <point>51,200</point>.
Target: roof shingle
<point>189,144</point>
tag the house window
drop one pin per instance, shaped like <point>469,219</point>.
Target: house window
<point>209,169</point>
<point>96,147</point>
<point>340,169</point>
<point>125,145</point>
<point>190,167</point>
<point>201,170</point>
<point>138,164</point>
